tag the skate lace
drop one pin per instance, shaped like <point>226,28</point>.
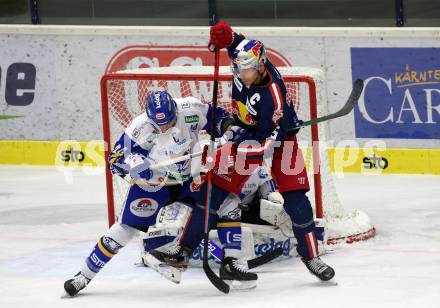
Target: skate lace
<point>317,265</point>
<point>173,250</point>
<point>240,265</point>
<point>80,282</point>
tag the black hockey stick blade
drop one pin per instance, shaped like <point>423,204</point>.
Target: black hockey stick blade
<point>261,260</point>
<point>346,109</point>
<point>215,280</point>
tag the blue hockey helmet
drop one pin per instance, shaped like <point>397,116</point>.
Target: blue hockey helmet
<point>161,108</point>
<point>248,54</point>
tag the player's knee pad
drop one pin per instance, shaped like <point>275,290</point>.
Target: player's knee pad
<point>118,236</point>
<point>298,207</point>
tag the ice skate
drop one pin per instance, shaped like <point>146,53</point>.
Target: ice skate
<point>318,268</point>
<point>174,256</point>
<point>169,263</point>
<point>76,284</point>
<point>235,273</point>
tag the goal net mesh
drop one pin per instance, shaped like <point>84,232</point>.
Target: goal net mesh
<point>124,96</point>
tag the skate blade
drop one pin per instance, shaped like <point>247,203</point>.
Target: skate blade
<point>179,267</point>
<point>239,285</point>
<point>331,282</point>
<point>140,263</point>
<point>65,295</point>
<point>166,271</point>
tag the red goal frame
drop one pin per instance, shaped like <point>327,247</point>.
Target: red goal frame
<point>205,77</point>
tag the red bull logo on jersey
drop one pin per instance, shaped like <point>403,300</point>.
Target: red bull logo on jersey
<point>240,110</point>
<point>144,207</point>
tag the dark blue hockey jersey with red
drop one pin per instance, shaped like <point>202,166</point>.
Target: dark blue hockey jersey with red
<point>262,109</point>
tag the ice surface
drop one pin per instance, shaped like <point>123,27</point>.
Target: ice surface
<point>48,226</point>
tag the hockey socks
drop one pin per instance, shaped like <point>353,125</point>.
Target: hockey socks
<point>298,207</point>
<point>116,237</point>
<point>101,254</point>
<point>229,234</point>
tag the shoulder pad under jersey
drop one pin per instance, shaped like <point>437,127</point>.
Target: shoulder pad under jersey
<point>189,103</point>
<point>141,131</point>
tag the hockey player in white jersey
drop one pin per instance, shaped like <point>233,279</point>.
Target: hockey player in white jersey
<point>169,128</point>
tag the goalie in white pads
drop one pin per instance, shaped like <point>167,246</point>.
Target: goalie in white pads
<point>169,128</point>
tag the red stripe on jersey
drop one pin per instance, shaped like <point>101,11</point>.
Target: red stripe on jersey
<point>315,243</point>
<point>277,101</point>
<point>277,96</point>
<point>311,244</point>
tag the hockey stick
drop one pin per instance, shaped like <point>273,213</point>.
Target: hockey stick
<point>218,254</point>
<point>346,109</point>
<point>261,260</point>
<point>215,280</point>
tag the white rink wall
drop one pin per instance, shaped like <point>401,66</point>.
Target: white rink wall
<point>68,61</point>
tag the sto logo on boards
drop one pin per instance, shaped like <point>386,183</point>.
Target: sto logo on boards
<point>375,162</point>
<point>71,155</point>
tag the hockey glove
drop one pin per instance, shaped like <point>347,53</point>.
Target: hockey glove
<point>296,125</point>
<point>220,36</point>
<point>139,167</point>
<point>116,163</point>
<point>233,134</point>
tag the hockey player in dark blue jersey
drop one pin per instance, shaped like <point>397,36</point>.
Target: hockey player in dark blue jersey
<point>269,123</point>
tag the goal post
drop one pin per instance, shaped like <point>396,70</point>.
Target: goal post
<point>123,98</point>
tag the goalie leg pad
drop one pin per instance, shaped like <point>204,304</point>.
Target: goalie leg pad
<point>273,212</point>
<point>171,222</point>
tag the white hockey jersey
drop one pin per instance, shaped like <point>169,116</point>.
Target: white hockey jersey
<point>142,137</point>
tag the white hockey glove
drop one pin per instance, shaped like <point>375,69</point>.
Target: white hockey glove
<point>233,134</point>
<point>275,197</point>
<point>272,211</point>
<point>139,167</point>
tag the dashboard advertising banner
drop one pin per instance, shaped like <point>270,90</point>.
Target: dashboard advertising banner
<point>401,99</point>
